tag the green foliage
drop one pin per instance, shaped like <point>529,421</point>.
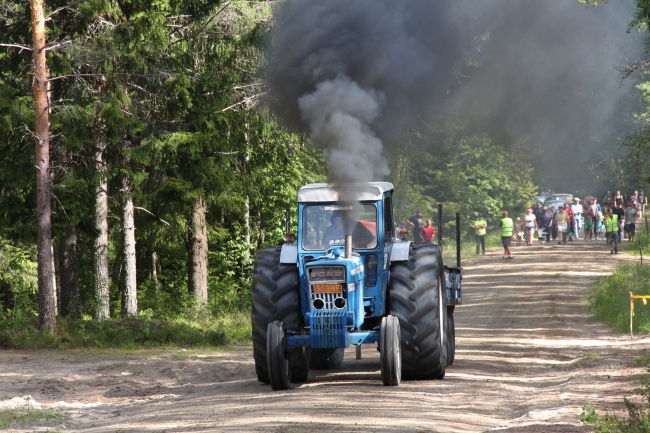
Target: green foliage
<point>466,171</point>
<point>18,279</point>
<point>191,329</point>
<point>610,298</point>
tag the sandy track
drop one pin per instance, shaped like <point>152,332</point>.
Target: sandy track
<point>528,357</point>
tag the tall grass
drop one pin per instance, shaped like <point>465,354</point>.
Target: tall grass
<point>610,298</point>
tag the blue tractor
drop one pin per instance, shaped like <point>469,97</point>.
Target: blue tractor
<point>346,281</point>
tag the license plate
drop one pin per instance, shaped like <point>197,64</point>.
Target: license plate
<point>321,289</point>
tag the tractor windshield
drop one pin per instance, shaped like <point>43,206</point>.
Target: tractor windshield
<point>326,225</point>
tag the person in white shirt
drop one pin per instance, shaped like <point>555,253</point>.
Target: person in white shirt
<point>531,226</point>
<point>577,217</point>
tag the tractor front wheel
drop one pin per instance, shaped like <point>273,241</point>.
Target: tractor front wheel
<point>276,355</point>
<point>390,352</point>
<point>451,336</point>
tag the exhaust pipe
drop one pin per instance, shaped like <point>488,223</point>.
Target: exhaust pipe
<point>348,247</point>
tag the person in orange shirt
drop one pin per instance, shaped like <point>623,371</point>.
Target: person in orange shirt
<point>427,232</point>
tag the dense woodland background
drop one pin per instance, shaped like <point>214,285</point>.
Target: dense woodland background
<point>169,170</point>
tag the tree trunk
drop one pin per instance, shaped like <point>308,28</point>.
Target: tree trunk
<point>154,271</point>
<point>197,248</point>
<point>69,274</point>
<point>56,283</point>
<point>129,283</point>
<point>100,254</point>
<point>46,294</point>
<point>247,229</point>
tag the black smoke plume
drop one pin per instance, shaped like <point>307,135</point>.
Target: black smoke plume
<point>354,73</point>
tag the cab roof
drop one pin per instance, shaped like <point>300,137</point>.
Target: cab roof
<point>325,192</point>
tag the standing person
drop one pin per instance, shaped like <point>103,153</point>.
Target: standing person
<point>619,199</point>
<point>539,213</point>
<point>618,210</point>
<point>642,201</point>
<point>589,222</point>
<point>553,225</point>
<point>634,198</point>
<point>577,217</point>
<point>608,200</point>
<point>631,216</point>
<point>519,231</point>
<point>569,229</point>
<point>597,211</point>
<point>403,232</point>
<point>506,234</point>
<point>427,232</point>
<point>479,225</point>
<point>531,225</point>
<point>417,223</point>
<point>611,227</point>
<point>562,220</point>
<point>547,221</point>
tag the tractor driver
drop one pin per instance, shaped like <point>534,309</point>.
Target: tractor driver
<point>335,234</point>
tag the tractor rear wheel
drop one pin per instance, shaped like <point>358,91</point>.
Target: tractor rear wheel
<point>419,301</point>
<point>275,296</point>
<point>326,359</point>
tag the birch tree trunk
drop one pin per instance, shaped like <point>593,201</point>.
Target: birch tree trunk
<point>46,293</point>
<point>100,254</point>
<point>197,248</point>
<point>129,283</point>
<point>69,274</point>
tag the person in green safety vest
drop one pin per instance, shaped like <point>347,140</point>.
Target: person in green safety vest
<point>479,225</point>
<point>611,228</point>
<point>507,226</point>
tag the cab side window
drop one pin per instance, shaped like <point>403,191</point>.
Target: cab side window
<point>389,227</point>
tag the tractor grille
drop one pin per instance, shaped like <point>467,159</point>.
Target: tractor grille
<point>327,299</point>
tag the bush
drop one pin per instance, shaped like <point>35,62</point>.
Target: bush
<point>201,330</point>
<point>611,299</point>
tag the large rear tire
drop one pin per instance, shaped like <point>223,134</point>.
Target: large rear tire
<point>419,301</point>
<point>326,359</point>
<point>275,295</point>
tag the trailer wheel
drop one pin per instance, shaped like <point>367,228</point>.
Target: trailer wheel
<point>451,336</point>
<point>326,359</point>
<point>277,358</point>
<point>275,295</point>
<point>419,301</point>
<point>390,351</point>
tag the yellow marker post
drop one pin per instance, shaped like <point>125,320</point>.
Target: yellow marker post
<point>632,298</point>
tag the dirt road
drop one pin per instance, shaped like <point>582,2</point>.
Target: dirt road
<point>528,357</point>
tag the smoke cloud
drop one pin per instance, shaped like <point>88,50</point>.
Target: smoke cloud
<point>355,75</point>
<point>339,114</point>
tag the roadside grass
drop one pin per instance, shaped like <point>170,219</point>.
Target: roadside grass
<point>610,298</point>
<point>642,242</point>
<point>194,330</point>
<point>28,417</point>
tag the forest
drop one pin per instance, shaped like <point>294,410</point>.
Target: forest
<point>170,164</point>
